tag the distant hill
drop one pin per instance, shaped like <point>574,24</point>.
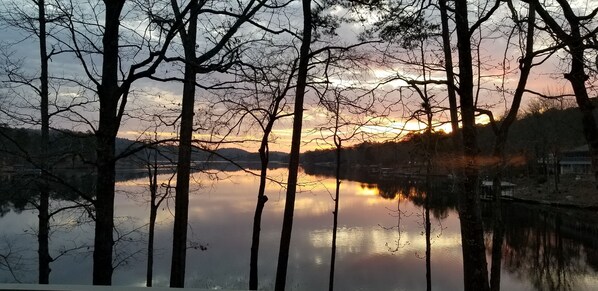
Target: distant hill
<point>68,149</point>
<point>20,147</point>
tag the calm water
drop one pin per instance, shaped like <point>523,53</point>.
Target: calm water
<point>381,242</point>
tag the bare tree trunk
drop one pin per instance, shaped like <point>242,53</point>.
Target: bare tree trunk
<point>264,152</point>
<point>179,245</point>
<point>428,227</point>
<point>472,234</point>
<point>108,93</point>
<point>498,231</point>
<point>104,206</point>
<point>179,242</point>
<point>150,247</point>
<point>44,195</point>
<point>577,78</point>
<point>338,144</point>
<point>153,183</point>
<point>44,259</point>
<point>428,224</point>
<point>257,221</point>
<point>526,64</point>
<point>450,75</point>
<point>289,208</point>
<point>259,208</point>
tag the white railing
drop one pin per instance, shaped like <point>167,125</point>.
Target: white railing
<point>52,287</point>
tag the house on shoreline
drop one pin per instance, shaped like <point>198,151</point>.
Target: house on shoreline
<point>576,161</point>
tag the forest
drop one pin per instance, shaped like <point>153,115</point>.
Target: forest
<point>535,135</point>
<point>462,88</point>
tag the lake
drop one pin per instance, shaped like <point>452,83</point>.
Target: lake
<point>381,238</point>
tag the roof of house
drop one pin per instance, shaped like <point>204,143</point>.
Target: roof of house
<point>577,156</point>
<point>583,148</point>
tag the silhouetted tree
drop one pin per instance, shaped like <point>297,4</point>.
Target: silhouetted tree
<point>472,240</point>
<point>112,85</point>
<point>289,207</point>
<point>501,132</point>
<point>260,100</point>
<point>36,26</point>
<point>151,160</point>
<point>448,66</point>
<point>348,110</point>
<point>217,56</point>
<point>575,34</point>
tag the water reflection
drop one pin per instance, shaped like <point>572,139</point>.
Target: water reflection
<point>554,249</point>
<point>381,238</point>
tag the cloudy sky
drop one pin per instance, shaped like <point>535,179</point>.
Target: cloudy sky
<point>390,117</point>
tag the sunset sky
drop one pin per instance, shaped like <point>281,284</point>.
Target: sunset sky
<point>151,97</point>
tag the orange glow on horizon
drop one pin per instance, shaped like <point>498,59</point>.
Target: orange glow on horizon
<point>379,131</point>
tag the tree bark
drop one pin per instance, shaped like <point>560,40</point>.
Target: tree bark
<point>577,77</point>
<point>104,206</point>
<point>428,225</point>
<point>472,234</point>
<point>498,231</point>
<point>150,248</point>
<point>287,223</point>
<point>179,242</point>
<point>261,202</point>
<point>153,184</point>
<point>255,238</point>
<point>109,94</point>
<point>44,195</point>
<point>338,144</point>
<point>450,75</point>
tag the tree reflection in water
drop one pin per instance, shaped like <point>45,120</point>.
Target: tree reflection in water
<point>549,247</point>
<point>390,190</point>
<point>70,217</point>
<point>392,193</point>
<point>543,248</point>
